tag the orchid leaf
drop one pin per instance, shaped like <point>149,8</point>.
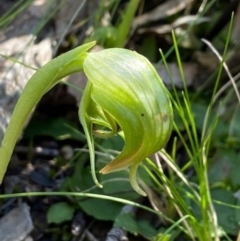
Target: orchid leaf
<point>132,101</point>
<point>41,82</point>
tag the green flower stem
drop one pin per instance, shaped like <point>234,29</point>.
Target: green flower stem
<point>41,82</point>
<point>87,195</point>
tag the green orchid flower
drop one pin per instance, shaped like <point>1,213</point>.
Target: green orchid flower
<point>124,96</point>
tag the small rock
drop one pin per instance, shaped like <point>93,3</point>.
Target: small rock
<point>16,225</point>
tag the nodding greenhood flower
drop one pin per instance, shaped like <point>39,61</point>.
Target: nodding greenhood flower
<point>125,96</point>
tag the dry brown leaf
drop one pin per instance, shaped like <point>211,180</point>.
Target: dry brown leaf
<point>163,11</point>
<point>167,28</point>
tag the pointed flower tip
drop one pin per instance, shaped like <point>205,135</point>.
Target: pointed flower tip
<point>104,170</point>
<point>108,169</point>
